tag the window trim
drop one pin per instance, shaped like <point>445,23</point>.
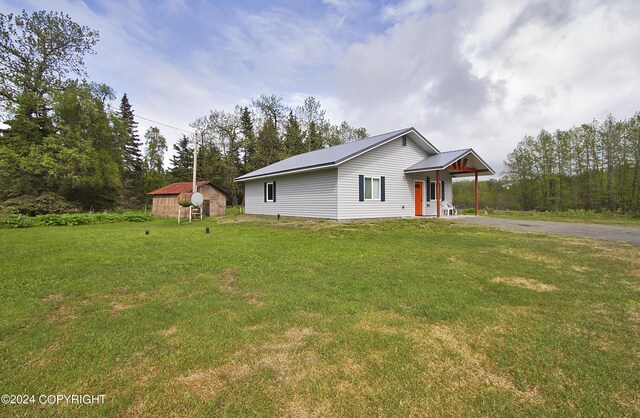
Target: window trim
<point>433,191</point>
<point>371,182</point>
<point>270,185</point>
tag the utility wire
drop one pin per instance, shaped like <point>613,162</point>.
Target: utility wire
<point>163,124</point>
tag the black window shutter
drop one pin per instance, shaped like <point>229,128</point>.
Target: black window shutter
<point>274,191</point>
<point>382,188</point>
<point>265,191</point>
<point>427,188</point>
<point>442,190</point>
<point>361,186</point>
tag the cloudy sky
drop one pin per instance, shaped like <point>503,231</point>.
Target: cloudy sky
<point>478,74</point>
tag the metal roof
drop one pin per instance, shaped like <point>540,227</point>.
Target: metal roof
<point>327,157</point>
<point>438,161</point>
<point>445,159</point>
<point>177,188</point>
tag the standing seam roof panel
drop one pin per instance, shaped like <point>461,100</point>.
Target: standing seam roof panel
<point>325,156</point>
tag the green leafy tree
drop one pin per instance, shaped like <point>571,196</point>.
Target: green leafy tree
<point>37,52</point>
<point>155,146</point>
<point>592,167</point>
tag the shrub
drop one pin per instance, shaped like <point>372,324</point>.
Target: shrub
<point>19,221</point>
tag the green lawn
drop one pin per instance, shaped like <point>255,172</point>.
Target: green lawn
<point>296,317</point>
<point>580,216</point>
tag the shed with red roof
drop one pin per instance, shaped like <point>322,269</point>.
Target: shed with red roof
<point>165,199</point>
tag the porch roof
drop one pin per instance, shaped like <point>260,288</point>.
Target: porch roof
<point>445,161</point>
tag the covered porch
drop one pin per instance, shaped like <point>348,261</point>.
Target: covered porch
<point>447,165</point>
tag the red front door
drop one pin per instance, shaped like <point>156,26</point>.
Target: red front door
<point>418,198</point>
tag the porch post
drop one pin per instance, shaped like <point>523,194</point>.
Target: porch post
<point>438,193</point>
<point>476,190</point>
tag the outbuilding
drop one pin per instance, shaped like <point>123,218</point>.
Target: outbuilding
<point>165,199</point>
<point>396,174</point>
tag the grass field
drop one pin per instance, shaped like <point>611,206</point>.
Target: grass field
<point>315,318</point>
<point>580,216</point>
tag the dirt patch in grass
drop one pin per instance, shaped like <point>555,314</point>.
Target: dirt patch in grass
<point>209,383</point>
<point>529,255</point>
<point>64,309</point>
<point>54,298</point>
<point>312,315</point>
<point>122,299</point>
<point>383,322</point>
<point>619,251</point>
<point>468,368</point>
<point>231,285</point>
<point>455,260</point>
<point>525,283</point>
<point>299,407</point>
<point>633,312</point>
<point>635,286</point>
<point>289,354</point>
<point>62,313</point>
<point>168,331</point>
<point>447,351</point>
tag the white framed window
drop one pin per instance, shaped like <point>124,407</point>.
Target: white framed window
<point>270,193</point>
<point>432,190</point>
<point>372,188</point>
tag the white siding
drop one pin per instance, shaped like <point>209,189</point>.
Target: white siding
<point>389,160</point>
<point>311,194</point>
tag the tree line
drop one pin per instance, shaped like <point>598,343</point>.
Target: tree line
<point>231,144</point>
<point>595,166</point>
<point>66,147</point>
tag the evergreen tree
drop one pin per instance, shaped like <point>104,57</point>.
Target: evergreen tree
<point>248,140</point>
<point>314,137</point>
<point>133,171</point>
<point>181,168</point>
<point>268,145</point>
<point>293,137</point>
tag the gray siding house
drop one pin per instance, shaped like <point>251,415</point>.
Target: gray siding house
<point>397,174</point>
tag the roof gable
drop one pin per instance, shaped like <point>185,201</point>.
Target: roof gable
<point>333,156</point>
<point>445,159</point>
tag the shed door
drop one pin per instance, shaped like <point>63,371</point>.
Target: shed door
<point>418,198</point>
<point>206,208</point>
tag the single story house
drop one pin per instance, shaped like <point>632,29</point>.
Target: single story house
<point>165,199</point>
<point>396,174</point>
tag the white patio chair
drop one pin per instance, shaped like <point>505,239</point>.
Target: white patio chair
<point>448,209</point>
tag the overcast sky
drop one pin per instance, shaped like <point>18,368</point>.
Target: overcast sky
<point>478,74</point>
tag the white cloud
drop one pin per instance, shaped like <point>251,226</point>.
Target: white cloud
<point>484,75</point>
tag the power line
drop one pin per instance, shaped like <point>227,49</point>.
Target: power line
<point>163,124</point>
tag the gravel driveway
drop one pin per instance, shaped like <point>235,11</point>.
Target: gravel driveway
<point>608,232</point>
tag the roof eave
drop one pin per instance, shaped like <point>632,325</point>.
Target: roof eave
<point>283,172</point>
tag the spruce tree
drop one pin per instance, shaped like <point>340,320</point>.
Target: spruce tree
<point>182,160</point>
<point>293,137</point>
<point>248,140</point>
<point>132,180</point>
